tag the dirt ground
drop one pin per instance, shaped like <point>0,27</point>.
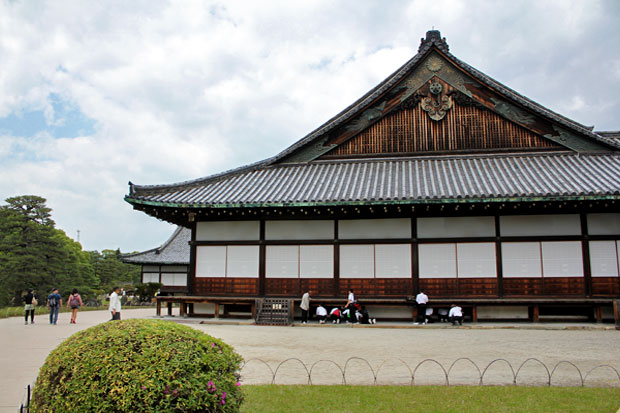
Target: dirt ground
<point>382,354</point>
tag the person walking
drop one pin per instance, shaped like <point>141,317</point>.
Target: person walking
<point>115,304</point>
<point>305,306</point>
<point>30,304</point>
<point>54,302</point>
<point>351,307</point>
<point>421,300</point>
<point>74,302</point>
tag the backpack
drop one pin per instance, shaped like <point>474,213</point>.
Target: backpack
<point>73,301</point>
<point>53,300</point>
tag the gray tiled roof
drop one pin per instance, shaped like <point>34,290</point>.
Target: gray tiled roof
<point>174,251</point>
<point>407,180</point>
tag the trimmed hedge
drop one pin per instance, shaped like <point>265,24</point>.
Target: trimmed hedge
<point>139,366</point>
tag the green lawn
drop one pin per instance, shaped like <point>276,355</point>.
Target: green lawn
<point>357,399</point>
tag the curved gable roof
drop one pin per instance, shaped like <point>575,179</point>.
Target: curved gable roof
<point>174,251</point>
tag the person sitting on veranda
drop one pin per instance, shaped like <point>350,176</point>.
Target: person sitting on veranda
<point>363,317</point>
<point>348,314</point>
<point>334,315</point>
<point>321,314</point>
<point>443,315</point>
<point>429,315</point>
<point>455,315</point>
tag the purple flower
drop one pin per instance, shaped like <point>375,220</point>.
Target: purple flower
<point>166,391</point>
<point>143,387</point>
<point>224,395</point>
<point>212,345</point>
<point>238,384</point>
<point>211,386</point>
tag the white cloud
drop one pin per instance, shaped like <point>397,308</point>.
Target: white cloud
<point>183,89</point>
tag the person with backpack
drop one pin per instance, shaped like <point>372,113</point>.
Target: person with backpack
<point>54,301</point>
<point>74,302</point>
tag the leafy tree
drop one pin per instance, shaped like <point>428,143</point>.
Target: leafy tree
<point>111,271</point>
<point>34,254</point>
<point>31,255</point>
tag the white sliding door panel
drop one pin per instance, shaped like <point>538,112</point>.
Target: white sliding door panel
<point>437,260</point>
<point>211,261</point>
<point>172,279</point>
<point>521,259</point>
<point>562,259</point>
<point>393,261</point>
<point>228,231</point>
<point>150,277</point>
<point>282,261</point>
<point>180,280</point>
<point>374,228</point>
<point>357,261</point>
<point>603,258</point>
<point>604,224</point>
<point>296,230</point>
<point>542,225</point>
<point>476,260</point>
<point>456,227</point>
<point>316,261</point>
<point>242,261</point>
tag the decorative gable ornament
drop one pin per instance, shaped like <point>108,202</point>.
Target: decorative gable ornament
<point>436,105</point>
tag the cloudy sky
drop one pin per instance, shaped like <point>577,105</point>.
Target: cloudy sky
<point>94,94</point>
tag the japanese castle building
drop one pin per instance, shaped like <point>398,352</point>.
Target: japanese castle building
<point>439,179</point>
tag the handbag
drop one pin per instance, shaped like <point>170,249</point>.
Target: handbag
<point>34,301</point>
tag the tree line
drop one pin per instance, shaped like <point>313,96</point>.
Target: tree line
<point>35,254</point>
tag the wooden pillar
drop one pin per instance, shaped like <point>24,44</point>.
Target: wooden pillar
<point>182,309</point>
<point>261,259</point>
<point>535,313</point>
<point>499,269</point>
<point>617,313</point>
<point>336,282</point>
<point>585,251</point>
<point>599,314</point>
<point>474,313</point>
<point>169,308</point>
<point>415,259</point>
<point>217,311</point>
<point>191,309</point>
<point>191,270</point>
<point>158,303</point>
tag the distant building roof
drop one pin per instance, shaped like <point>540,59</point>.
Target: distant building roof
<point>174,251</point>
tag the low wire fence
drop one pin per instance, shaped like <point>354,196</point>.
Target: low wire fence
<point>359,371</point>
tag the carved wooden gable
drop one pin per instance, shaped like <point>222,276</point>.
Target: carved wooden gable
<point>434,110</point>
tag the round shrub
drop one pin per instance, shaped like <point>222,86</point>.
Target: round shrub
<point>139,366</point>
